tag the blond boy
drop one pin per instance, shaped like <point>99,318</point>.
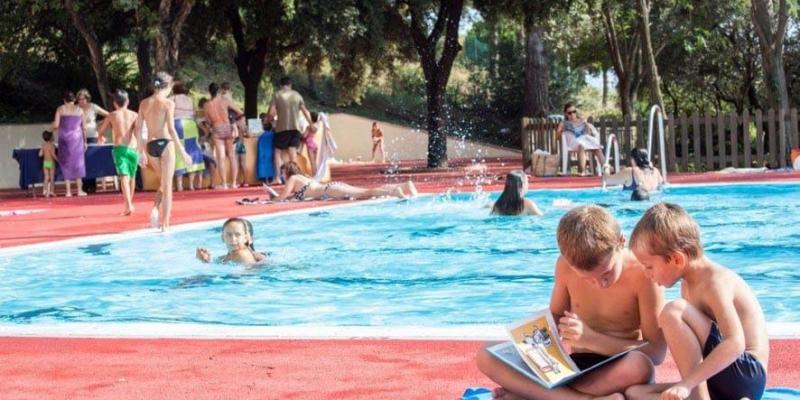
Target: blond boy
<point>604,304</point>
<point>716,331</point>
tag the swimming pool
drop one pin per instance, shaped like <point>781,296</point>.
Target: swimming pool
<point>435,261</point>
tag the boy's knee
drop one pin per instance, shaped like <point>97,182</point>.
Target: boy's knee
<point>639,368</point>
<point>672,312</point>
<point>484,360</point>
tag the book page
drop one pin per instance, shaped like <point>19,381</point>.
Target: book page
<point>536,338</point>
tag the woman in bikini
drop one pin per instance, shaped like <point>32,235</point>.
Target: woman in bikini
<point>640,178</point>
<point>300,187</point>
<point>157,113</point>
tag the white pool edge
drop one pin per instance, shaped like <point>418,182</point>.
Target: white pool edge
<point>140,330</point>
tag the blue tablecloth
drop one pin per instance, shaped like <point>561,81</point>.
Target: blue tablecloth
<point>99,163</point>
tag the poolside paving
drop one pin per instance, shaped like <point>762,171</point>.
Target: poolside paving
<point>84,368</point>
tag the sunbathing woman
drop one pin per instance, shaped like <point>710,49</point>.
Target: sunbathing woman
<point>299,187</point>
<point>512,201</point>
<point>237,234</point>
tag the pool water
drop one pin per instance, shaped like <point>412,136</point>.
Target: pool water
<point>432,261</point>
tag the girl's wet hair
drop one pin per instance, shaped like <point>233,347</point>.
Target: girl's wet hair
<point>510,201</point>
<point>161,80</point>
<point>314,117</point>
<point>69,97</point>
<point>248,227</point>
<point>641,158</point>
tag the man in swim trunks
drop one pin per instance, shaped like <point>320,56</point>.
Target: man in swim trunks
<point>125,143</point>
<point>287,105</point>
<point>223,134</point>
<point>157,113</point>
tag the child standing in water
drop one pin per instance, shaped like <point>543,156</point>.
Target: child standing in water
<point>237,234</point>
<point>49,159</point>
<point>125,157</point>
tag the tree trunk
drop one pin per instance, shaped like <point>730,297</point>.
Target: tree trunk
<point>250,66</point>
<point>437,72</point>
<point>145,68</point>
<point>312,84</point>
<point>437,137</point>
<point>643,8</point>
<point>95,52</point>
<point>624,58</point>
<point>171,16</point>
<point>770,38</point>
<point>605,87</point>
<point>536,78</point>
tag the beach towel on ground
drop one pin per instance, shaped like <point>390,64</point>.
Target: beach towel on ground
<point>477,393</point>
<point>781,393</point>
<point>187,131</point>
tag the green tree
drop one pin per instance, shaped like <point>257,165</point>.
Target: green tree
<point>425,23</point>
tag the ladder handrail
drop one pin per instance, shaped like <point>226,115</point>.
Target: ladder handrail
<point>611,140</point>
<point>662,154</point>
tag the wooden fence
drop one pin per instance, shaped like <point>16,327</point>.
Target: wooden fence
<point>693,143</point>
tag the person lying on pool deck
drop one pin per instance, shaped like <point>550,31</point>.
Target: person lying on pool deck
<point>237,234</point>
<point>604,304</point>
<point>300,187</point>
<point>716,332</point>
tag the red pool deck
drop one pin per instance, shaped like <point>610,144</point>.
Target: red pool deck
<point>88,368</point>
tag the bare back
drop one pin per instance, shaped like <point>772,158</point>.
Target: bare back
<point>216,111</point>
<point>713,286</point>
<point>122,121</point>
<point>156,115</point>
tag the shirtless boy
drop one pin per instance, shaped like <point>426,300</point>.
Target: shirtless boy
<point>716,332</point>
<point>604,304</point>
<point>126,158</point>
<point>157,113</point>
<point>222,132</point>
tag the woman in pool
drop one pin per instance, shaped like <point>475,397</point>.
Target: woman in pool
<point>300,186</point>
<point>640,177</point>
<point>237,234</point>
<point>512,201</point>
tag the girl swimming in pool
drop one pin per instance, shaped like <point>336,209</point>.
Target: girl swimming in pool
<point>512,201</point>
<point>237,234</point>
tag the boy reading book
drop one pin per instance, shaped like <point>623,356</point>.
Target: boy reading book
<point>604,304</point>
<point>716,331</point>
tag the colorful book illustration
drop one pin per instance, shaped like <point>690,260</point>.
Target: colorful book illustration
<point>535,350</point>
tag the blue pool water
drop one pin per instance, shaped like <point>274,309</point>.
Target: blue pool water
<point>433,261</point>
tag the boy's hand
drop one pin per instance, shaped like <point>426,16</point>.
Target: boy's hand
<point>203,255</point>
<point>187,159</point>
<point>677,392</point>
<point>573,331</point>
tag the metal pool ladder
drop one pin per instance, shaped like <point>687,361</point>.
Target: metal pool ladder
<point>662,154</point>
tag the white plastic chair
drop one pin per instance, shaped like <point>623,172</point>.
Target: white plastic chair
<point>565,154</point>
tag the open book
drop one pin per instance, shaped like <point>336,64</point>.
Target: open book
<point>535,351</point>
